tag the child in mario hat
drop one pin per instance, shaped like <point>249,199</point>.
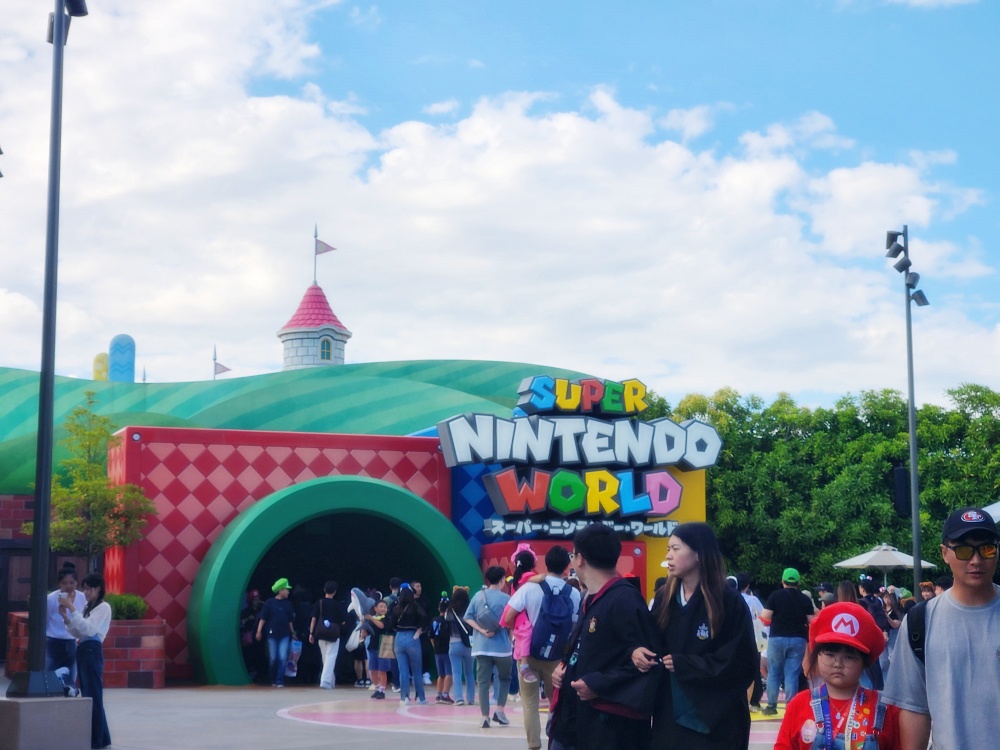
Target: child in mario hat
<point>843,640</point>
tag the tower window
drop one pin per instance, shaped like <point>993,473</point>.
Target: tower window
<point>325,350</point>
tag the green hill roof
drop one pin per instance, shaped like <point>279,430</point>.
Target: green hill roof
<point>381,398</point>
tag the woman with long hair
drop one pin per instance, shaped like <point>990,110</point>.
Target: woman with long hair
<point>846,592</point>
<point>91,627</point>
<point>707,648</point>
<point>60,646</point>
<point>460,647</point>
<point>408,621</point>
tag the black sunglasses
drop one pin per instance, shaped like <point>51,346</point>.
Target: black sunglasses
<point>986,550</point>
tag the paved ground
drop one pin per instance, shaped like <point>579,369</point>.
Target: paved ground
<point>306,718</point>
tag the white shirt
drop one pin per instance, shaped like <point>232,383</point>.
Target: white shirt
<point>54,625</point>
<point>93,627</point>
<point>528,598</point>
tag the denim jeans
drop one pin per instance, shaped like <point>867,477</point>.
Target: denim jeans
<point>784,658</point>
<point>277,658</point>
<point>61,652</point>
<point>461,671</point>
<point>90,659</point>
<point>408,656</point>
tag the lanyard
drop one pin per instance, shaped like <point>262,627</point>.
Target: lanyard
<point>828,724</point>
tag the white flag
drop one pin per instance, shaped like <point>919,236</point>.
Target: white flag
<point>322,247</point>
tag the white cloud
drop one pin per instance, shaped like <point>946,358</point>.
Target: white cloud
<point>566,235</point>
<point>442,108</point>
<point>812,130</point>
<point>695,121</point>
<point>368,17</point>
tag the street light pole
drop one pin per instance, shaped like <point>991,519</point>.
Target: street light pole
<point>36,682</point>
<point>910,281</point>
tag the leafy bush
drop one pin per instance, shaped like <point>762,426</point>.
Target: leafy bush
<point>126,606</point>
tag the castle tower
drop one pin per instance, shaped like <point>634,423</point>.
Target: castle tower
<point>314,337</point>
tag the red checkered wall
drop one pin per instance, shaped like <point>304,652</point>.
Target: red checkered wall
<point>200,480</point>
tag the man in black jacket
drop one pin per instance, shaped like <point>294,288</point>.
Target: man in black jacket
<point>604,702</point>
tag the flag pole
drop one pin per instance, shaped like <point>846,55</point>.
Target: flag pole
<point>315,254</point>
<point>214,368</point>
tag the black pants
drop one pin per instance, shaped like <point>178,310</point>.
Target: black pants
<point>90,663</point>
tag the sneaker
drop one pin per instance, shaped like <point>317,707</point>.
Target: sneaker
<point>459,702</point>
<point>446,699</point>
<point>437,698</point>
<point>500,718</point>
<point>427,678</point>
<point>395,688</point>
<point>486,723</point>
<point>755,708</point>
<point>404,701</point>
<point>769,711</point>
<point>379,695</point>
<point>422,701</point>
<point>72,692</point>
<point>368,683</point>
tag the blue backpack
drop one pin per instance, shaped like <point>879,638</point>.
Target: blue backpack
<point>551,631</point>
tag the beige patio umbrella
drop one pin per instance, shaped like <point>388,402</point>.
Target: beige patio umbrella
<point>881,556</point>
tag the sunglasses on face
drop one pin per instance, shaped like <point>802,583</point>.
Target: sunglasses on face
<point>986,550</point>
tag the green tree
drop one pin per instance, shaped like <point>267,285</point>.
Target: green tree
<point>657,407</point>
<point>89,513</point>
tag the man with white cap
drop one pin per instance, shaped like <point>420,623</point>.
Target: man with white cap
<point>949,681</point>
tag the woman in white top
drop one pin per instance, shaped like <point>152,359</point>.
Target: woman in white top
<point>60,646</point>
<point>91,627</point>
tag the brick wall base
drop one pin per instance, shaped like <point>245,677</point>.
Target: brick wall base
<point>134,651</point>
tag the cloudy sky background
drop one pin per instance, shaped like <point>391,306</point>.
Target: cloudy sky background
<point>694,194</point>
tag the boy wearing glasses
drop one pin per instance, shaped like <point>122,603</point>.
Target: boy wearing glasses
<point>953,690</point>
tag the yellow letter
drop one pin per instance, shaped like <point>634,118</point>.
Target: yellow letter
<point>602,488</point>
<point>633,397</point>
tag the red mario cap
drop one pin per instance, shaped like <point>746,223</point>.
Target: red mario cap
<point>850,624</point>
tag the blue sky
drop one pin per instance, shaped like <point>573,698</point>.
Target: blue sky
<point>692,193</point>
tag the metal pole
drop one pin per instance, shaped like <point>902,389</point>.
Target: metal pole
<point>914,480</point>
<point>37,682</point>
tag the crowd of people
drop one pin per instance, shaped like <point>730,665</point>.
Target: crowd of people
<point>860,666</point>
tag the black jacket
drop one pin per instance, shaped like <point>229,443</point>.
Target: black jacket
<point>611,625</point>
<point>712,672</point>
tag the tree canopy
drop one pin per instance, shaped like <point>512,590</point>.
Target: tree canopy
<point>89,512</point>
<point>807,488</point>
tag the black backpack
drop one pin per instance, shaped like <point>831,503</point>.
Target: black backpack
<point>551,631</point>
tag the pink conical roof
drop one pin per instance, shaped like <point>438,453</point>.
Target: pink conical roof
<point>314,312</point>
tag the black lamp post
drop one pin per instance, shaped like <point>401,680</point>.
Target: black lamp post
<point>910,281</point>
<point>36,682</point>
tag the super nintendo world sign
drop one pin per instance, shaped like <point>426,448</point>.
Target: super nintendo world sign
<point>577,447</point>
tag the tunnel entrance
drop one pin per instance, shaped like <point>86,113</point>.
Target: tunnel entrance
<point>352,548</point>
<point>355,530</point>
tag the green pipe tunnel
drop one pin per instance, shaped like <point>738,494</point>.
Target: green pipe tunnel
<point>379,518</point>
